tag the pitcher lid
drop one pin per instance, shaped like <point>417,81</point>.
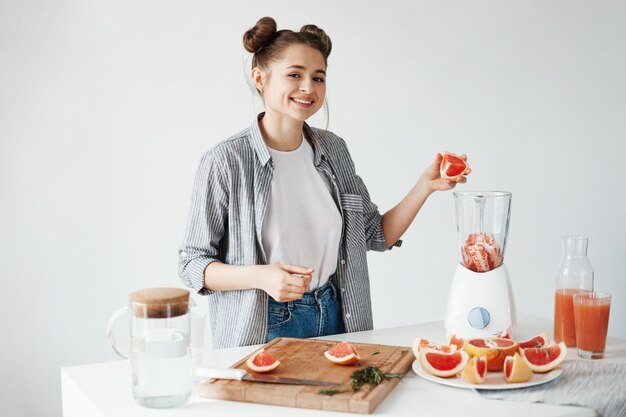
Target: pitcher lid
<point>160,295</point>
<point>160,302</point>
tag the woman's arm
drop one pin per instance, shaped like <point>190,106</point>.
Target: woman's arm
<point>400,217</point>
<point>283,282</point>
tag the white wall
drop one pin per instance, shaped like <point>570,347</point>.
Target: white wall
<point>106,107</point>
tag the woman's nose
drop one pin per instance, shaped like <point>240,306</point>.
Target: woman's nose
<point>305,86</point>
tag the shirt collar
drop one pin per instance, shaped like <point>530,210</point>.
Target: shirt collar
<point>259,146</point>
<point>256,139</point>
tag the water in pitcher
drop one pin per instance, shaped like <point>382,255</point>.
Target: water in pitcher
<point>161,365</point>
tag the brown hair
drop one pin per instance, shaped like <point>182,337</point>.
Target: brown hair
<point>267,43</point>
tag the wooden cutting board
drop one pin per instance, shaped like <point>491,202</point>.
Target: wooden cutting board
<point>304,358</point>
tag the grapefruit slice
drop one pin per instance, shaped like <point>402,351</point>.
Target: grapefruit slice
<point>505,334</point>
<point>455,342</point>
<point>262,361</point>
<point>419,343</point>
<point>516,369</point>
<point>452,166</point>
<point>475,371</point>
<point>496,349</point>
<point>540,340</point>
<point>442,364</point>
<point>342,354</point>
<point>544,359</point>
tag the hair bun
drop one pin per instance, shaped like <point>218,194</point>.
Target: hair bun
<point>260,35</point>
<point>321,35</point>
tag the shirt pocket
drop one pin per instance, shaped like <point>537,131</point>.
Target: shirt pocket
<point>354,221</point>
<point>351,202</point>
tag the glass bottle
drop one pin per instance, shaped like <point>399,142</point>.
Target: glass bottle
<point>575,275</point>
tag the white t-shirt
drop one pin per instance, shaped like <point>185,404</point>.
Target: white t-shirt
<point>302,224</point>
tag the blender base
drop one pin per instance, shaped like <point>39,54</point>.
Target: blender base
<point>480,304</point>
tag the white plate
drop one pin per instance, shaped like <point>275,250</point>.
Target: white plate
<point>495,380</point>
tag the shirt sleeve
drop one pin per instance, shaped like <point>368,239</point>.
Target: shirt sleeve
<point>374,234</point>
<point>206,225</point>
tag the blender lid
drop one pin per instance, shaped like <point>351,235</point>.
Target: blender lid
<point>483,194</point>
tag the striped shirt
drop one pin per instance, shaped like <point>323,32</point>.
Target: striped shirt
<point>228,203</point>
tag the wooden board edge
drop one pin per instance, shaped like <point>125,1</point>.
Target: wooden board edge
<point>379,393</point>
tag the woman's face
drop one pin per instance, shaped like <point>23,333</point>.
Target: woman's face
<point>295,85</point>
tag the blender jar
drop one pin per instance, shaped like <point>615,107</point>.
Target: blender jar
<point>482,220</point>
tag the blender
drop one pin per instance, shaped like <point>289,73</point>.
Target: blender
<point>480,300</point>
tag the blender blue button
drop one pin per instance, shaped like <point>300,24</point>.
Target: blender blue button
<point>478,318</point>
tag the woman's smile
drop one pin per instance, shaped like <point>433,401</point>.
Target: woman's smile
<point>305,102</point>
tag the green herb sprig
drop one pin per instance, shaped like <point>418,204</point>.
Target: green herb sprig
<point>371,375</point>
<point>330,392</point>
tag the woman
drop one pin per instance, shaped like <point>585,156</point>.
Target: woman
<point>280,223</point>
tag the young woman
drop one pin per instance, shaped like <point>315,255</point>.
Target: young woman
<point>280,222</point>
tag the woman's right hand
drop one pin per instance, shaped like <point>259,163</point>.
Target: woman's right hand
<point>281,282</point>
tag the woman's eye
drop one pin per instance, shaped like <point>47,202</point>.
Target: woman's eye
<point>319,80</point>
<point>294,75</point>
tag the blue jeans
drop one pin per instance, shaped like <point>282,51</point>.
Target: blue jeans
<point>317,313</point>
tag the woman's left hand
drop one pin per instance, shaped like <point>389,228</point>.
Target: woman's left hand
<point>431,178</point>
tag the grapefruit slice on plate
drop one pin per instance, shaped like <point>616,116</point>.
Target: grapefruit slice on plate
<point>442,364</point>
<point>540,340</point>
<point>452,166</point>
<point>342,354</point>
<point>475,371</point>
<point>456,342</point>
<point>262,361</point>
<point>516,369</point>
<point>544,359</point>
<point>419,343</point>
<point>505,334</point>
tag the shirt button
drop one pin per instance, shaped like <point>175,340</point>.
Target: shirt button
<point>348,315</point>
<point>333,177</point>
<point>343,262</point>
<point>343,290</point>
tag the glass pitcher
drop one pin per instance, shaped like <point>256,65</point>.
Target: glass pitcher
<point>574,275</point>
<point>160,354</point>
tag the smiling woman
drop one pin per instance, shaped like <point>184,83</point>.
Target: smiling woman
<point>295,63</point>
<point>280,222</point>
<point>289,90</point>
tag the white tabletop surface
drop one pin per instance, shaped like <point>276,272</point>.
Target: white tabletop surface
<point>105,389</point>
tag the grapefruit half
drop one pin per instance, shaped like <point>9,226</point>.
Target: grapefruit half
<point>496,349</point>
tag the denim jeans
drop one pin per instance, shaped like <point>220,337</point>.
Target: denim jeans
<point>317,313</point>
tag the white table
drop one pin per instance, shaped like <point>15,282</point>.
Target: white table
<point>105,389</point>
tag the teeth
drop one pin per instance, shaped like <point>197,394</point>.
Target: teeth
<point>297,100</point>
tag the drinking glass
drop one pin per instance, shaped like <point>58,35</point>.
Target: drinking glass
<point>591,317</point>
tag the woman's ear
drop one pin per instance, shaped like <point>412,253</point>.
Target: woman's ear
<point>258,78</point>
